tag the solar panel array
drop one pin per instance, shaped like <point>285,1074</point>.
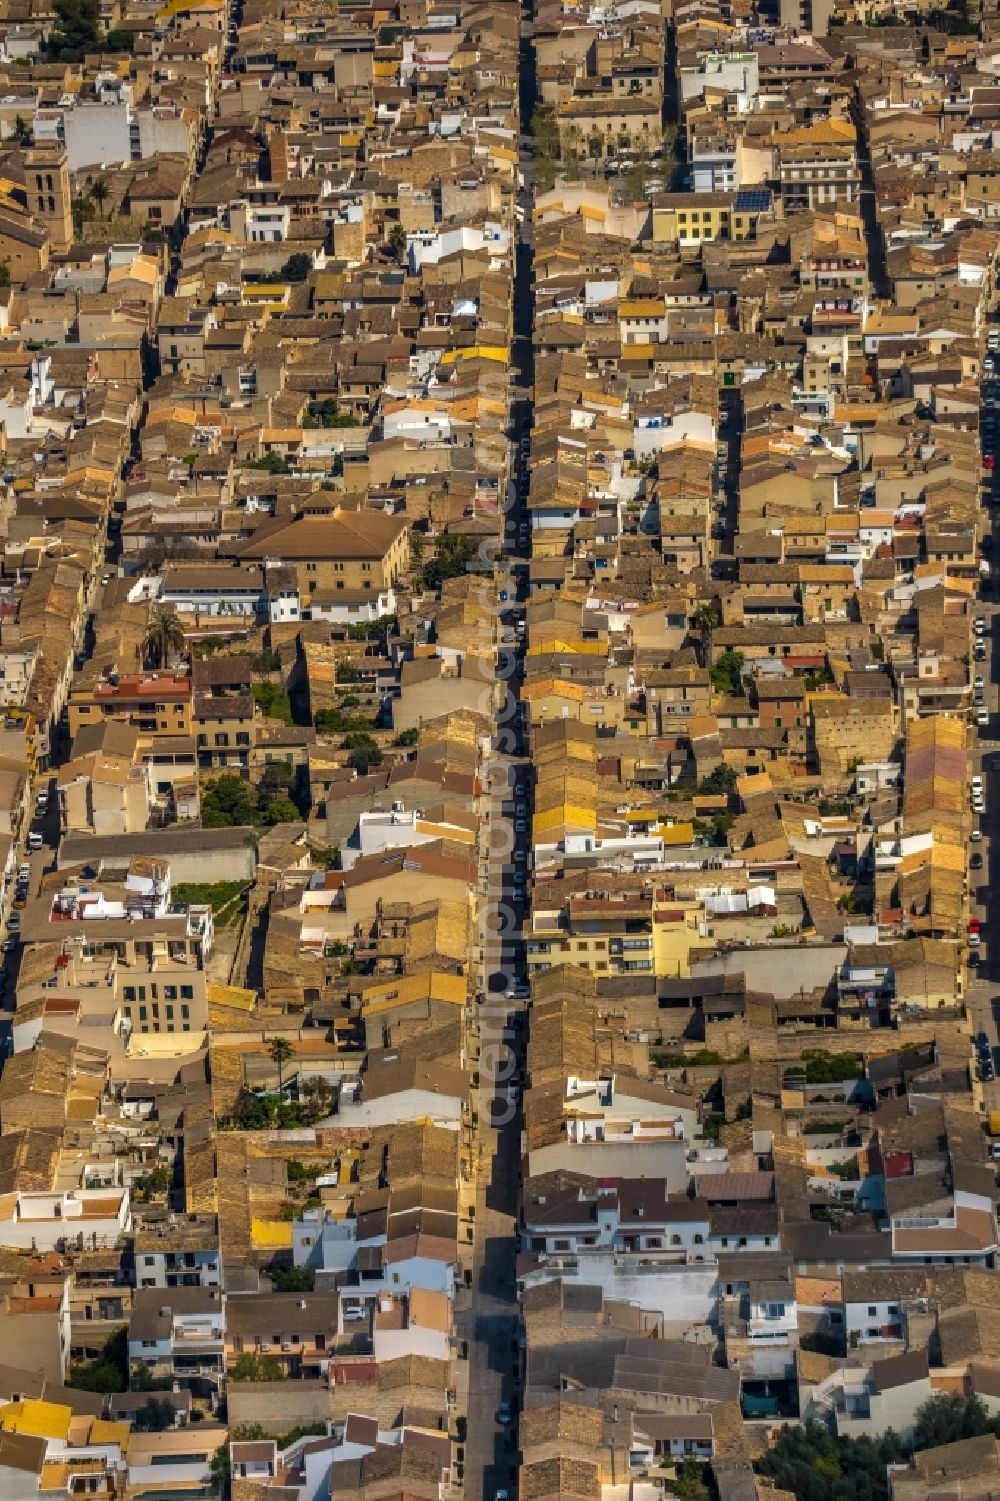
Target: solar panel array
<point>753,200</point>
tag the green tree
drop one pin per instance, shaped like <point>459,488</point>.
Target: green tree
<point>292,1279</point>
<point>326,856</point>
<point>82,211</point>
<point>727,674</point>
<point>164,638</point>
<point>280,810</point>
<point>118,40</point>
<point>220,1473</point>
<point>271,463</point>
<point>277,774</point>
<point>22,131</point>
<point>274,701</point>
<point>251,1112</point>
<point>721,780</point>
<point>156,1417</point>
<point>108,1372</point>
<point>814,1464</point>
<point>227,802</point>
<point>141,1379</point>
<point>634,181</point>
<point>327,413</point>
<point>453,554</point>
<point>279,1052</point>
<point>252,1366</point>
<point>545,131</point>
<point>4,274</point>
<point>408,737</point>
<point>318,1096</point>
<point>76,30</point>
<point>296,268</point>
<point>688,1483</point>
<point>159,1181</point>
<point>365,751</point>
<point>336,722</point>
<point>946,1418</point>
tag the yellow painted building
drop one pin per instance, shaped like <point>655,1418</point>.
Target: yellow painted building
<point>708,216</point>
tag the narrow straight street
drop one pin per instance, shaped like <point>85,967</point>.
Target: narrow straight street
<point>489,1325</point>
<point>983,994</point>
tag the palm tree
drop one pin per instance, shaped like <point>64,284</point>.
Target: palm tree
<point>397,240</point>
<point>100,192</point>
<point>280,1051</point>
<point>706,618</point>
<point>164,638</point>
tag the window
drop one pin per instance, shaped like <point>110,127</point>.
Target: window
<point>871,1310</point>
<point>222,740</point>
<point>185,1012</point>
<point>187,992</point>
<point>242,738</point>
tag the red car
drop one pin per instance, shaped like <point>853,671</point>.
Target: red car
<point>989,461</point>
<point>973,924</point>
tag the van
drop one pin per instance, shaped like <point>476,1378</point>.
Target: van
<point>23,872</point>
<point>35,842</point>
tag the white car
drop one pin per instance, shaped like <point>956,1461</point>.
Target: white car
<point>976,835</point>
<point>519,990</point>
<point>979,682</point>
<point>983,719</point>
<point>976,784</point>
